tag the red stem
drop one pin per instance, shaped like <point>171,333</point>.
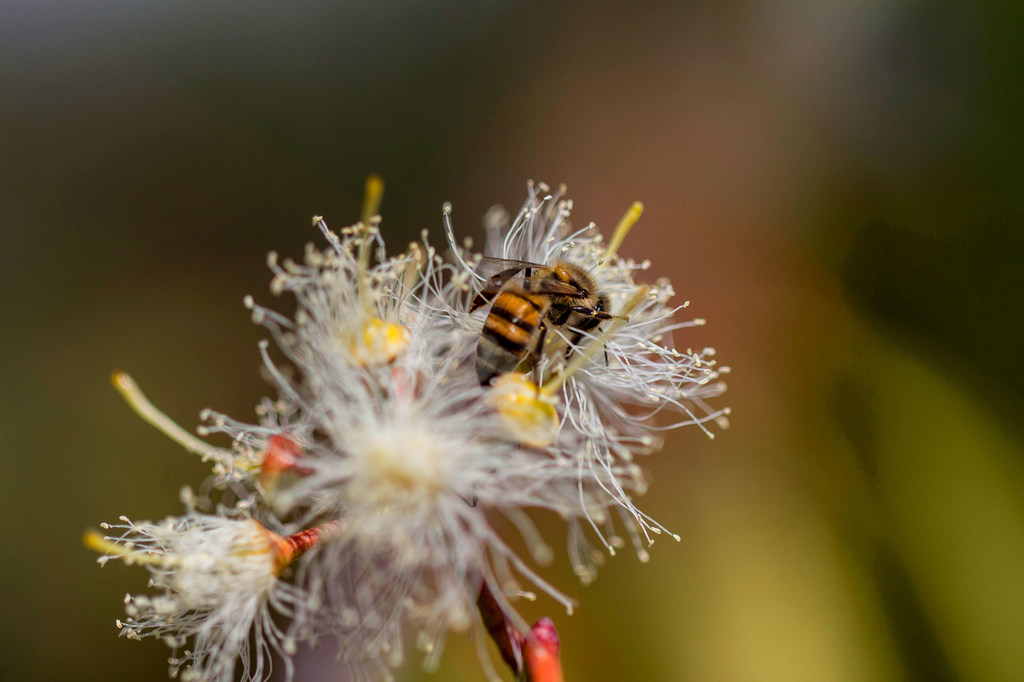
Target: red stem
<point>533,657</point>
<point>295,545</point>
<point>509,640</point>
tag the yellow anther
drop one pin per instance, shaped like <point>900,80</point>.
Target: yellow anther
<point>622,229</point>
<point>528,415</point>
<point>135,398</point>
<point>372,196</point>
<point>380,342</point>
<point>96,541</point>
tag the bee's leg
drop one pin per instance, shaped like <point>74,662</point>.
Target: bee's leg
<point>590,312</point>
<point>482,298</point>
<point>598,316</point>
<point>538,353</point>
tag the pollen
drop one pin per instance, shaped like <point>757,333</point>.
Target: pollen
<point>527,413</point>
<point>380,342</point>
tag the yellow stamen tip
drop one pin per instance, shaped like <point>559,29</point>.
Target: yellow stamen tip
<point>138,401</point>
<point>527,414</point>
<point>622,229</point>
<point>94,540</point>
<point>121,381</point>
<point>380,342</point>
<point>97,542</point>
<point>372,196</point>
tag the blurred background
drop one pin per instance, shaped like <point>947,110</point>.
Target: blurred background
<point>835,185</point>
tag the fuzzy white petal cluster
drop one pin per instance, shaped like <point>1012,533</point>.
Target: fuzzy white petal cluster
<point>382,432</point>
<point>619,402</point>
<point>217,582</point>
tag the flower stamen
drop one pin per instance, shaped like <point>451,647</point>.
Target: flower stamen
<point>137,400</point>
<point>372,197</point>
<point>99,543</point>
<point>622,229</point>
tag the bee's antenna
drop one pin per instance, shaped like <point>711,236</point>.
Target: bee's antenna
<point>622,229</point>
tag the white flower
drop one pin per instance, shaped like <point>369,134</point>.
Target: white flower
<point>623,379</point>
<point>217,585</point>
<point>399,440</point>
<point>383,444</point>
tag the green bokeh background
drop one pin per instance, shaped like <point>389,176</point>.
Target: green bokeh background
<point>835,186</point>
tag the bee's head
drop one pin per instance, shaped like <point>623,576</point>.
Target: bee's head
<point>573,274</point>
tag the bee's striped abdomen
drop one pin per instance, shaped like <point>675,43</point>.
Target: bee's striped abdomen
<point>508,334</point>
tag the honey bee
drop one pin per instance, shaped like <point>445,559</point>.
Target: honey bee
<point>526,300</point>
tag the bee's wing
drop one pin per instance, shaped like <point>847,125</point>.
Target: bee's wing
<point>548,285</point>
<point>496,273</point>
<point>503,269</point>
<point>529,276</point>
<point>503,273</point>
